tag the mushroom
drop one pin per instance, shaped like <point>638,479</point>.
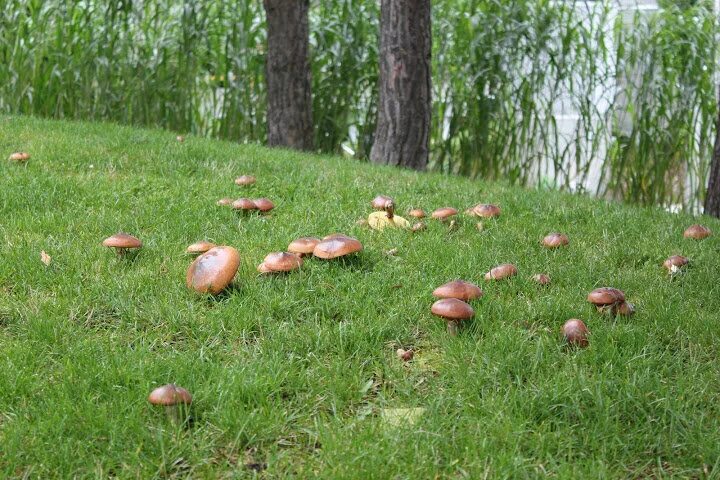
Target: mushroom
<point>444,213</point>
<point>176,401</point>
<point>453,311</point>
<point>501,272</point>
<point>485,210</point>
<point>337,246</point>
<point>180,138</point>
<point>675,263</point>
<point>263,204</point>
<point>697,232</point>
<point>405,355</point>
<point>575,333</point>
<point>611,300</point>
<point>419,226</point>
<point>200,247</point>
<point>213,271</point>
<point>417,213</point>
<point>379,202</point>
<point>122,242</point>
<point>555,240</point>
<point>277,262</point>
<point>244,180</point>
<point>19,157</point>
<point>380,220</point>
<point>459,289</point>
<point>303,246</point>
<point>244,204</point>
<point>541,278</point>
<point>225,202</point>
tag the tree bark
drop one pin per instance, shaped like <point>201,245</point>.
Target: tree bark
<point>712,195</point>
<point>403,126</point>
<point>287,73</point>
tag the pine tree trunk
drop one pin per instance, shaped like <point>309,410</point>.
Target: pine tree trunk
<point>403,126</point>
<point>712,196</point>
<point>287,73</point>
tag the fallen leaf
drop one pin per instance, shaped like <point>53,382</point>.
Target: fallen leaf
<point>45,258</point>
<point>398,417</point>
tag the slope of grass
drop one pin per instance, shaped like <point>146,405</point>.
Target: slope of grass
<point>292,374</point>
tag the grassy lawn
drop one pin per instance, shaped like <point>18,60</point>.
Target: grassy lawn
<point>294,375</point>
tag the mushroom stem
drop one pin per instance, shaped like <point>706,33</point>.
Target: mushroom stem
<point>390,209</point>
<point>121,252</point>
<point>177,414</point>
<point>452,327</point>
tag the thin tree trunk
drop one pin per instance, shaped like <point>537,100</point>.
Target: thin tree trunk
<point>287,72</point>
<point>712,196</point>
<point>403,126</point>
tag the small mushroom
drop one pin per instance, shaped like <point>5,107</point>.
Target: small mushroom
<point>444,213</point>
<point>225,202</point>
<point>200,247</point>
<point>303,246</point>
<point>419,226</point>
<point>459,289</point>
<point>625,309</point>
<point>697,232</point>
<point>675,262</point>
<point>337,246</point>
<point>575,333</point>
<point>405,355</point>
<point>244,180</point>
<point>555,240</point>
<point>244,204</point>
<point>213,271</point>
<point>180,138</point>
<point>453,311</point>
<point>263,204</point>
<point>541,278</point>
<point>610,300</point>
<point>485,210</point>
<point>19,157</point>
<point>381,220</point>
<point>176,401</point>
<point>379,202</point>
<point>417,213</point>
<point>501,272</point>
<point>122,242</point>
<point>278,262</point>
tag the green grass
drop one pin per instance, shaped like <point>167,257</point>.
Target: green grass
<point>291,374</point>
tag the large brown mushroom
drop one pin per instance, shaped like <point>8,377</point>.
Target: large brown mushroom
<point>176,401</point>
<point>244,180</point>
<point>278,262</point>
<point>610,300</point>
<point>453,311</point>
<point>213,271</point>
<point>697,232</point>
<point>555,240</point>
<point>459,289</point>
<point>337,246</point>
<point>200,247</point>
<point>485,210</point>
<point>264,204</point>
<point>675,262</point>
<point>19,157</point>
<point>122,242</point>
<point>501,272</point>
<point>303,246</point>
<point>575,333</point>
<point>244,205</point>
<point>444,213</point>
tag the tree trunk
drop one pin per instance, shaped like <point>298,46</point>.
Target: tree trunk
<point>287,73</point>
<point>712,196</point>
<point>403,126</point>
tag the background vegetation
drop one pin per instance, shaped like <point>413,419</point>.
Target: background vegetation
<point>500,71</point>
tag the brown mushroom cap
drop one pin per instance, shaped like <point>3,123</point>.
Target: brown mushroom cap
<point>337,246</point>
<point>169,395</point>
<point>244,204</point>
<point>243,180</point>
<point>122,240</point>
<point>575,332</point>
<point>501,272</point>
<point>485,210</point>
<point>452,309</point>
<point>213,271</point>
<point>379,202</point>
<point>417,213</point>
<point>444,212</point>
<point>19,157</point>
<point>282,261</point>
<point>697,232</point>
<point>541,278</point>
<point>606,296</point>
<point>303,245</point>
<point>263,204</point>
<point>555,240</point>
<point>200,247</point>
<point>459,289</point>
<point>225,202</point>
<point>675,261</point>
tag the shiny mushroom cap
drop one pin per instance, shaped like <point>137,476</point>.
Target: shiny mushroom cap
<point>485,210</point>
<point>697,232</point>
<point>555,240</point>
<point>606,296</point>
<point>263,204</point>
<point>337,246</point>
<point>200,247</point>
<point>541,278</point>
<point>379,202</point>
<point>244,204</point>
<point>676,261</point>
<point>19,157</point>
<point>575,332</point>
<point>303,245</point>
<point>282,262</point>
<point>417,213</point>
<point>459,289</point>
<point>243,180</point>
<point>225,202</point>
<point>501,272</point>
<point>452,309</point>
<point>444,213</point>
<point>169,395</point>
<point>213,271</point>
<point>122,240</point>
